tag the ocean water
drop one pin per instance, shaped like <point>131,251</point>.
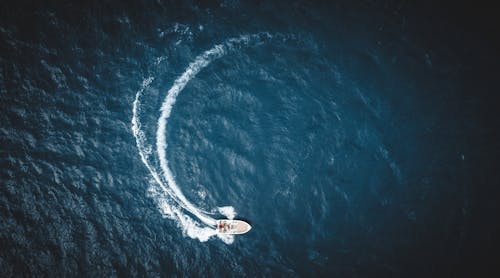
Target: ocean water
<point>358,139</point>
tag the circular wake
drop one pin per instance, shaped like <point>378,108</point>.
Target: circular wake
<point>164,189</point>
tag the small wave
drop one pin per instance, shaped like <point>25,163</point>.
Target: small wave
<point>227,211</point>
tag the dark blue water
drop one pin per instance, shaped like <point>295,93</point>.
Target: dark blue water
<point>359,140</point>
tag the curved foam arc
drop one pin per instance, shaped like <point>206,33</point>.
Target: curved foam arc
<point>191,71</point>
<point>172,190</point>
<point>140,139</point>
<point>161,145</point>
<point>168,209</point>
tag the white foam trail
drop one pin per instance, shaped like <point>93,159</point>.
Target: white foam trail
<point>191,71</point>
<point>188,225</point>
<point>161,145</point>
<point>167,207</point>
<point>168,195</point>
<point>144,151</point>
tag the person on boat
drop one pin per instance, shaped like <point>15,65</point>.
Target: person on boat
<point>222,227</point>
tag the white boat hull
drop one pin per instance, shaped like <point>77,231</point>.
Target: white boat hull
<point>232,227</point>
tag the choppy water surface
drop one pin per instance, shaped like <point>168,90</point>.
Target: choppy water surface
<point>345,136</point>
